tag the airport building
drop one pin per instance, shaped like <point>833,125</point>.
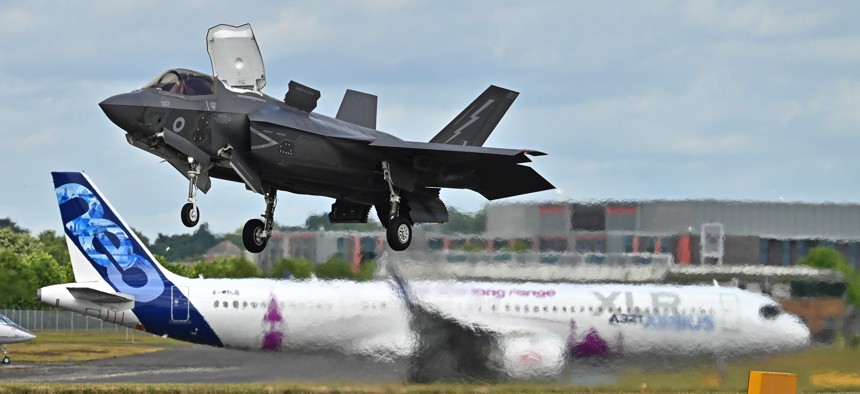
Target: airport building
<point>692,232</point>
<point>734,232</point>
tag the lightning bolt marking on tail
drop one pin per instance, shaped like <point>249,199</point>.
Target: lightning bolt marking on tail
<point>472,118</point>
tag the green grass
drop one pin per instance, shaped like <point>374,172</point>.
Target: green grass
<point>303,388</point>
<point>80,346</point>
<point>832,368</point>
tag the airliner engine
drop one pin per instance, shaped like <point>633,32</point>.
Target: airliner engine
<point>531,357</point>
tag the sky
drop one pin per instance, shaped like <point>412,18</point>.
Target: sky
<point>734,100</point>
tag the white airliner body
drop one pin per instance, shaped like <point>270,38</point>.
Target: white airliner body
<point>10,332</point>
<point>447,329</point>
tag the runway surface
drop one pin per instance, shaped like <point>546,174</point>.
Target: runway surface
<point>203,364</point>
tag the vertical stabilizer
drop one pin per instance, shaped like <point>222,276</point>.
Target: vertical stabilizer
<point>358,108</point>
<point>101,246</point>
<point>473,126</point>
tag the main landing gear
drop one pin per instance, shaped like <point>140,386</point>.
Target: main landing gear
<point>190,214</point>
<point>398,230</point>
<point>256,233</point>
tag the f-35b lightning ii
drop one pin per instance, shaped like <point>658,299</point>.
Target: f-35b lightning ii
<point>223,126</point>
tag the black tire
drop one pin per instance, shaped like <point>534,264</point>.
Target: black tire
<point>6,360</point>
<point>190,215</point>
<point>254,243</point>
<point>399,233</point>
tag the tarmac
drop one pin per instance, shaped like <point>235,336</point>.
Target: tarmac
<point>204,364</point>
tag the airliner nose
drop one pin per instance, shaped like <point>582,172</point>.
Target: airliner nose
<point>800,335</point>
<point>123,110</point>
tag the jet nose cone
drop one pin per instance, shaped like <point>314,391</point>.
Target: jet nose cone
<point>123,110</point>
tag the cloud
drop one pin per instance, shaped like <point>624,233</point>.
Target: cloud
<point>633,100</point>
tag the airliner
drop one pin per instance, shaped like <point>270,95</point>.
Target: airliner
<point>448,330</point>
<point>11,333</point>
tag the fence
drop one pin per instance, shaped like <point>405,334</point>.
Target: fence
<point>42,320</point>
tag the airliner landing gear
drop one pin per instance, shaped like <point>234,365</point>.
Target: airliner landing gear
<point>190,213</point>
<point>6,359</point>
<point>398,231</point>
<point>257,232</point>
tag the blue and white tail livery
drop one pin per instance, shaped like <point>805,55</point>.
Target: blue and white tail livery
<point>118,279</point>
<point>508,329</point>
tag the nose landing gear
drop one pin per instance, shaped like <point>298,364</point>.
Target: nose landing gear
<point>5,359</point>
<point>190,214</point>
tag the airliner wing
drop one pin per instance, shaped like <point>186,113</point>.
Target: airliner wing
<point>453,346</point>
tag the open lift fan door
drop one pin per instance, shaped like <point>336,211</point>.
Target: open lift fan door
<point>236,58</point>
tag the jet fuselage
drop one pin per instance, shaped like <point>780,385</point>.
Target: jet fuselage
<point>292,150</point>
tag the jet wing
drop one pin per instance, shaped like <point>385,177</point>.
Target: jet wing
<point>493,172</point>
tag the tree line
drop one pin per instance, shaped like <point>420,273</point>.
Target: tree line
<point>29,262</point>
<point>192,246</point>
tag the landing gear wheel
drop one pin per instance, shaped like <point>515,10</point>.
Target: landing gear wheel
<point>399,233</point>
<point>6,360</point>
<point>253,236</point>
<point>190,215</point>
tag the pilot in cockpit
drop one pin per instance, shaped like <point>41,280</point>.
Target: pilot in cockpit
<point>183,82</point>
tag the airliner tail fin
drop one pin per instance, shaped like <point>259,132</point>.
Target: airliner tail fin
<point>101,246</point>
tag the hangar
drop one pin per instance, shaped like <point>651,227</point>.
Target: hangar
<point>735,232</point>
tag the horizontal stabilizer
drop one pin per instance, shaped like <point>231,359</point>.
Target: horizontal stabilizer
<point>98,296</point>
<point>358,108</point>
<point>508,181</point>
<point>451,154</point>
<point>474,125</point>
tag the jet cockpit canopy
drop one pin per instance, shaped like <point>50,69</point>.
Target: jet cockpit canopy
<point>235,56</point>
<point>184,82</point>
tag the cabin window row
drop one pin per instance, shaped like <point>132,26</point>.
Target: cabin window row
<point>254,305</point>
<point>600,309</point>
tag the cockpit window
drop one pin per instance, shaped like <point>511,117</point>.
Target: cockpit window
<point>5,320</point>
<point>184,82</point>
<point>769,312</point>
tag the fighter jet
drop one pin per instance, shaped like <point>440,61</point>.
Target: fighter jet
<point>223,126</point>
